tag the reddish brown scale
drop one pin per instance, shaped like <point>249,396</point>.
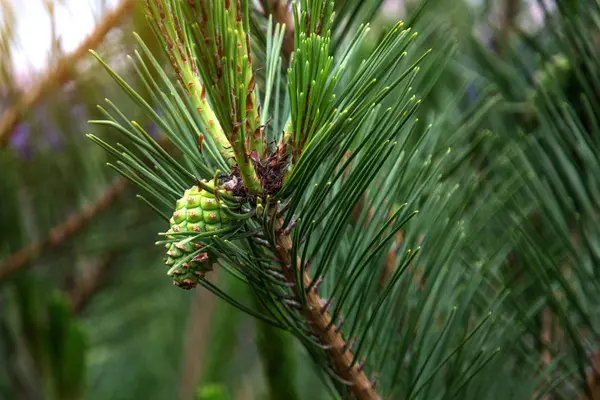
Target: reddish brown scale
<point>178,30</point>
<point>248,50</point>
<point>270,172</point>
<point>248,143</point>
<point>252,82</point>
<point>249,103</point>
<point>319,25</point>
<point>188,284</point>
<point>307,24</point>
<point>235,132</point>
<point>161,10</point>
<point>200,140</point>
<point>203,12</point>
<point>194,67</point>
<point>258,133</point>
<point>282,147</point>
<point>238,15</point>
<point>182,54</point>
<point>219,43</point>
<point>163,32</point>
<point>181,49</point>
<point>234,112</point>
<point>170,49</point>
<point>148,11</point>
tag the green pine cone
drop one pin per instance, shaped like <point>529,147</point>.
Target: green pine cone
<point>197,211</point>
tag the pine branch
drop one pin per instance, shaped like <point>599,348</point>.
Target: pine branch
<point>315,116</point>
<point>63,231</point>
<point>60,73</point>
<point>319,319</point>
<point>227,100</point>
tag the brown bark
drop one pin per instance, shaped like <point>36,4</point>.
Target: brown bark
<point>319,319</point>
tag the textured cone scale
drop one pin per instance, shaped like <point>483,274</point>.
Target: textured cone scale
<point>197,211</point>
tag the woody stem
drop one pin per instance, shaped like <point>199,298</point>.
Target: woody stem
<point>314,310</point>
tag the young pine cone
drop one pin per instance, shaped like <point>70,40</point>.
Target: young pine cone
<point>197,211</point>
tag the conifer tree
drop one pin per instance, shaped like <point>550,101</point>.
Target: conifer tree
<point>397,209</point>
